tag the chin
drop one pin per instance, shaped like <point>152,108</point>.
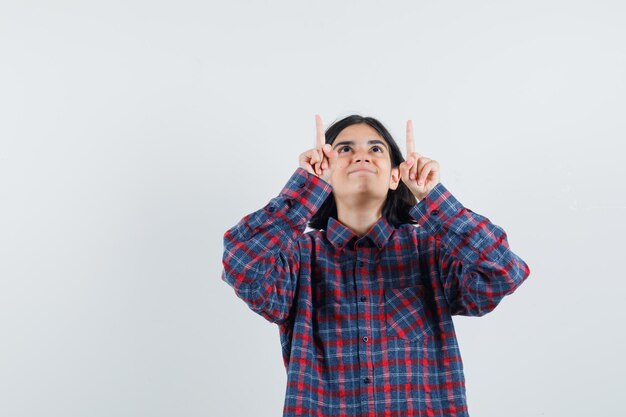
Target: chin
<point>368,189</point>
<point>361,188</point>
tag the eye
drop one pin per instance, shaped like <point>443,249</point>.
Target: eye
<point>378,148</point>
<point>343,147</point>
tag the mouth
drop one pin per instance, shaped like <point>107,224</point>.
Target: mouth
<point>365,170</point>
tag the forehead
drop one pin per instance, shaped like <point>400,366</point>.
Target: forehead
<point>359,133</point>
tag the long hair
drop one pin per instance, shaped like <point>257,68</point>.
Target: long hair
<point>398,201</point>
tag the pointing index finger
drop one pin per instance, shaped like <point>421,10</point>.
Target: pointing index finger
<point>320,137</point>
<point>410,141</point>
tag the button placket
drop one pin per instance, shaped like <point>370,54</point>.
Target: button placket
<point>361,264</point>
<point>361,278</point>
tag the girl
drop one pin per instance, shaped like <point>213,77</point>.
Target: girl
<point>364,301</point>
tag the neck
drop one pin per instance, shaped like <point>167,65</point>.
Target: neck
<point>359,216</point>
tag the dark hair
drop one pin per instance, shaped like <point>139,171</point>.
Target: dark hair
<point>398,202</point>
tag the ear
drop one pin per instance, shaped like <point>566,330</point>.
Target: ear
<point>394,180</point>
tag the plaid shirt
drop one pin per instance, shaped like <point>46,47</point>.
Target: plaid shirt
<point>365,323</point>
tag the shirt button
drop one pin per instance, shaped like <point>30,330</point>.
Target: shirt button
<point>363,298</point>
<point>301,185</point>
<point>361,263</point>
<point>435,212</point>
<point>366,380</point>
<point>271,208</point>
<point>365,339</point>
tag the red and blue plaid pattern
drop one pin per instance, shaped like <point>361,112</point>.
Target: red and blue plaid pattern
<point>365,323</point>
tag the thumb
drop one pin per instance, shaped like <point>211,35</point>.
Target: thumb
<point>405,167</point>
<point>330,154</point>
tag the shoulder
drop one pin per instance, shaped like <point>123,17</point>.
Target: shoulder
<point>309,237</point>
<point>414,233</point>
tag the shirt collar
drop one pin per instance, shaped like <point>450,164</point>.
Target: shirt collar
<point>340,235</point>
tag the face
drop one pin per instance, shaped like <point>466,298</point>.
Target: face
<point>363,167</point>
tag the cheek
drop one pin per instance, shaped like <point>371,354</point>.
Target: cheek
<point>385,165</point>
<point>342,164</point>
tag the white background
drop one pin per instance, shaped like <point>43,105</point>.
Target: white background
<point>133,134</point>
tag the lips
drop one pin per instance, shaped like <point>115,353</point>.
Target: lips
<point>362,170</point>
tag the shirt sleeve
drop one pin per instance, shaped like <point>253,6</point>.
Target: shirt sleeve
<point>476,266</point>
<point>261,257</point>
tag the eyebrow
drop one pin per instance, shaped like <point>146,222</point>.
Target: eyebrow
<point>369,142</point>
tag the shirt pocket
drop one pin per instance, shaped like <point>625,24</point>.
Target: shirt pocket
<point>406,313</point>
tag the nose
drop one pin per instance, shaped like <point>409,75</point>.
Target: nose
<point>361,156</point>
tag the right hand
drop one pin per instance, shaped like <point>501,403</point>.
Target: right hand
<point>321,159</point>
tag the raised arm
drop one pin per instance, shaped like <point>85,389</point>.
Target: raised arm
<point>474,262</point>
<point>261,255</point>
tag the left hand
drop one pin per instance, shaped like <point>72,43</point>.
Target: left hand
<point>419,173</point>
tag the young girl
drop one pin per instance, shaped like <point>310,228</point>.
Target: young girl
<point>364,302</point>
